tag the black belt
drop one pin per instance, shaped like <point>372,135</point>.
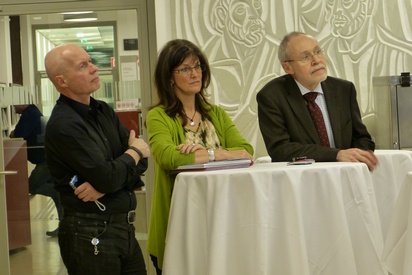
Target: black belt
<point>128,217</point>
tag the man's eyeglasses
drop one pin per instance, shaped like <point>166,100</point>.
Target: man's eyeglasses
<point>308,57</point>
<point>188,70</point>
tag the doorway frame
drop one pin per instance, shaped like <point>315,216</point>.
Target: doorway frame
<point>146,29</point>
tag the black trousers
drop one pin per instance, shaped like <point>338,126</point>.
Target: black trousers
<point>41,182</point>
<point>94,246</point>
<point>154,260</point>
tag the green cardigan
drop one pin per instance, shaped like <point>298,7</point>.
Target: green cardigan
<point>165,133</point>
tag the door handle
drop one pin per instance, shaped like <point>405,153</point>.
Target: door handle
<point>8,173</point>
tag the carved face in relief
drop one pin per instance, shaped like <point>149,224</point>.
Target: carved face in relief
<point>347,17</point>
<point>244,22</point>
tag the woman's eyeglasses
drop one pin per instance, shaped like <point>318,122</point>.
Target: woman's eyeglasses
<point>189,70</point>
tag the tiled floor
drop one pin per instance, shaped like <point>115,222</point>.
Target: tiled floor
<point>42,257</point>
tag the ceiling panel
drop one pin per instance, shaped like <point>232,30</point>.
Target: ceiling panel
<point>98,41</point>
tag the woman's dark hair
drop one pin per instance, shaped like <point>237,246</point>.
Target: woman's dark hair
<point>171,56</point>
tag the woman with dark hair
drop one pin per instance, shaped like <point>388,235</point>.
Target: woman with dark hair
<point>184,128</point>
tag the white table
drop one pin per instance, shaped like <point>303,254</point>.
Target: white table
<point>388,177</point>
<point>397,252</point>
<point>275,219</point>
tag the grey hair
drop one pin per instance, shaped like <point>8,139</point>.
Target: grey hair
<point>283,54</point>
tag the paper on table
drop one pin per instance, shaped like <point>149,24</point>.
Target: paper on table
<point>214,165</point>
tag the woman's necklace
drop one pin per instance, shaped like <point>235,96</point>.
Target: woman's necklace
<point>192,122</point>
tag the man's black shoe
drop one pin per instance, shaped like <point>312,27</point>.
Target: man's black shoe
<point>53,233</point>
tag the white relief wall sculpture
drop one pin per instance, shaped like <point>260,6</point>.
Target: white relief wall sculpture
<point>242,51</point>
<point>243,57</point>
<point>359,45</point>
<point>362,39</point>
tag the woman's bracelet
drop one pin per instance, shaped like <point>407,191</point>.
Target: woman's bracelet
<point>137,151</point>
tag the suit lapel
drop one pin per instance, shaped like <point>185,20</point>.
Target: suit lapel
<point>299,108</point>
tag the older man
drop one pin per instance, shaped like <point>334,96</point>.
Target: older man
<point>290,127</point>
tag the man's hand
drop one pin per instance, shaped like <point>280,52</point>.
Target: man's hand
<point>358,155</point>
<point>86,192</point>
<point>139,144</point>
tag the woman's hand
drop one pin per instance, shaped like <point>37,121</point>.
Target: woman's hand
<point>189,148</point>
<point>222,154</point>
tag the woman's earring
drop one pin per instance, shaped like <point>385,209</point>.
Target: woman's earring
<point>172,84</point>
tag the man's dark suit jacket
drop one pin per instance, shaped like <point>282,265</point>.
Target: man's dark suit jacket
<point>288,130</point>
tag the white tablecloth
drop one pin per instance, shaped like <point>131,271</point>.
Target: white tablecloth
<point>275,219</point>
<point>397,254</point>
<point>388,177</point>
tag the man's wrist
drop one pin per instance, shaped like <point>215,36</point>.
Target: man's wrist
<point>137,151</point>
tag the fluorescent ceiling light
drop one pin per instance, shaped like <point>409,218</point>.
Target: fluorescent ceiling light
<point>76,12</point>
<point>83,17</point>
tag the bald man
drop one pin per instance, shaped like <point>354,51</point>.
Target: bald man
<point>96,165</point>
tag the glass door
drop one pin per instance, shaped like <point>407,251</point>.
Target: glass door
<point>106,39</point>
